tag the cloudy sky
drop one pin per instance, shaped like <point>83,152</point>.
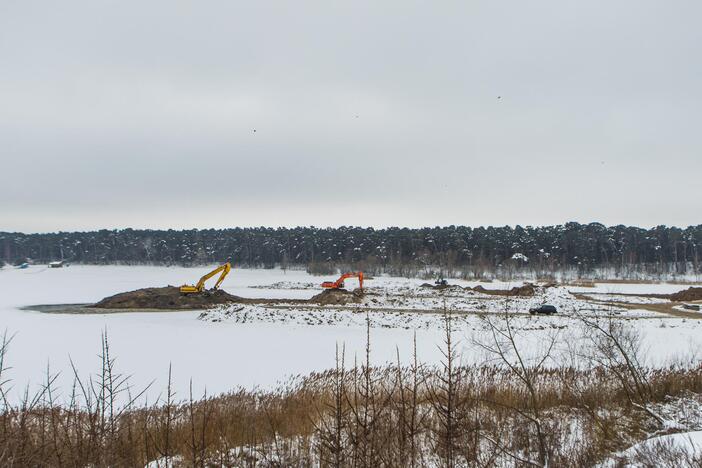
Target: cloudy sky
<point>238,113</point>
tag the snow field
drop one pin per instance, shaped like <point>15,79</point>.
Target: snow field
<point>268,347</point>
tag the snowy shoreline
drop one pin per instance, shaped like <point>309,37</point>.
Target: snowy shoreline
<point>258,353</point>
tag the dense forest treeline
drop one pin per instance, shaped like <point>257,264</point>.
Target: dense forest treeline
<point>469,251</point>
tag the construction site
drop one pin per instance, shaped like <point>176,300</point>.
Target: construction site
<point>198,297</point>
<point>349,292</point>
<point>205,331</point>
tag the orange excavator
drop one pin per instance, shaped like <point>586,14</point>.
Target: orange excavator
<point>339,284</point>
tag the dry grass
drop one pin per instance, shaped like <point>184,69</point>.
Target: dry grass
<point>353,415</point>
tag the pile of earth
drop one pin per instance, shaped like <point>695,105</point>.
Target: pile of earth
<point>337,297</point>
<point>689,294</point>
<point>527,290</point>
<point>166,298</point>
<point>439,287</point>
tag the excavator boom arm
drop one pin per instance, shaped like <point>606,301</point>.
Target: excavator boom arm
<point>225,272</point>
<point>223,268</point>
<point>200,286</point>
<point>340,282</point>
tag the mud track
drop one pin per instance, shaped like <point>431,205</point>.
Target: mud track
<point>667,308</point>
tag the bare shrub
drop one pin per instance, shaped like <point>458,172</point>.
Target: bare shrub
<point>514,411</point>
<point>502,344</point>
<point>666,452</point>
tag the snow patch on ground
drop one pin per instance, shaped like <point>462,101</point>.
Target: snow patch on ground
<point>662,451</point>
<point>685,413</point>
<point>322,316</point>
<point>687,309</point>
<point>459,299</point>
<point>409,306</point>
<point>631,288</point>
<point>681,441</point>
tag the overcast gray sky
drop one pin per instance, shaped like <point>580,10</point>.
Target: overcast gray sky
<point>224,113</point>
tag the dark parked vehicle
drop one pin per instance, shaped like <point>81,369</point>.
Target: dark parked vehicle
<point>543,309</point>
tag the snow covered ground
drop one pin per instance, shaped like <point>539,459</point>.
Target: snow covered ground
<point>666,450</point>
<point>632,288</point>
<point>626,298</point>
<point>259,352</point>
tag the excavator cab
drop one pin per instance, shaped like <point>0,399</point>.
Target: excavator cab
<point>339,284</point>
<point>200,286</point>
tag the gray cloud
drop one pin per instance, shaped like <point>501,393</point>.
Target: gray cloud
<point>142,114</point>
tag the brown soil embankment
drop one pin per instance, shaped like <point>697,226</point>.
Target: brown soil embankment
<point>170,298</point>
<point>689,294</point>
<point>337,297</point>
<point>166,298</point>
<point>527,290</point>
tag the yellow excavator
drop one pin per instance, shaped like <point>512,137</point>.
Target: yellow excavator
<point>200,286</point>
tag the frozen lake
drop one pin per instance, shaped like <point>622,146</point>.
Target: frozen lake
<point>217,356</point>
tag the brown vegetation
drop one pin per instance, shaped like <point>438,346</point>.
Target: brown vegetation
<point>517,411</point>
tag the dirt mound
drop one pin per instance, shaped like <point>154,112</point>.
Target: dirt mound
<point>689,294</point>
<point>166,298</point>
<point>438,287</point>
<point>337,297</point>
<point>527,290</point>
